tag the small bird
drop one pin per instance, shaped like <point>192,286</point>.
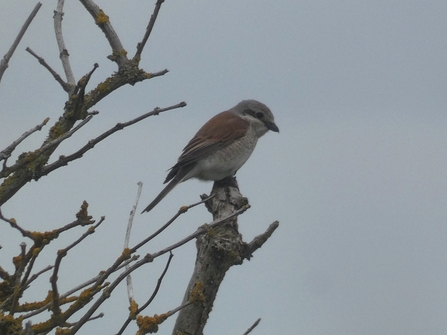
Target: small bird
<point>221,146</point>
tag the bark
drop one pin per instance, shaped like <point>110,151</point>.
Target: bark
<point>217,250</point>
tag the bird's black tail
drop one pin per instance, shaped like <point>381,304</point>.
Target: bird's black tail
<point>162,194</point>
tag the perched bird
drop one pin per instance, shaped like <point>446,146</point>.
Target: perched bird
<point>221,146</point>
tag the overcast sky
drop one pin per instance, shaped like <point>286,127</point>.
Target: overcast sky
<point>357,176</point>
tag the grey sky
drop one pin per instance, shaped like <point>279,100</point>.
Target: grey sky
<point>357,176</point>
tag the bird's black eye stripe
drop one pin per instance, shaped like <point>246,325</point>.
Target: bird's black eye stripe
<point>258,115</point>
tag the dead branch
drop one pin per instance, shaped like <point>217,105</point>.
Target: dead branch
<point>103,22</point>
<point>63,53</point>
<point>55,75</point>
<point>127,239</point>
<point>141,45</point>
<point>217,251</point>
<point>133,313</point>
<point>64,160</point>
<point>5,61</point>
<point>252,327</point>
<point>60,255</point>
<point>6,153</point>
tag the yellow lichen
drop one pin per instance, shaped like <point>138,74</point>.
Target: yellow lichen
<point>196,294</point>
<point>133,308</point>
<point>149,324</point>
<point>62,331</point>
<point>31,306</point>
<point>9,324</point>
<point>101,18</point>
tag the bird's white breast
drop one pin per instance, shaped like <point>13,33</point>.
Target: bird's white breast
<point>226,161</point>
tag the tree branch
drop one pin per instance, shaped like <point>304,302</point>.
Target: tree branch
<point>216,253</point>
<point>63,53</point>
<point>55,75</point>
<point>6,153</point>
<point>4,62</point>
<point>252,327</point>
<point>103,22</point>
<point>141,45</point>
<point>64,160</point>
<point>133,313</point>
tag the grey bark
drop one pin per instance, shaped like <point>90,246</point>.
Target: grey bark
<point>217,251</point>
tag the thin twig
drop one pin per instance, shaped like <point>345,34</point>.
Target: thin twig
<point>6,153</point>
<point>18,274</point>
<point>53,143</point>
<point>252,327</point>
<point>175,310</point>
<point>64,160</point>
<point>148,258</point>
<point>13,224</point>
<point>77,288</point>
<point>127,239</point>
<point>55,75</point>
<point>181,211</point>
<point>68,134</point>
<point>63,53</point>
<point>61,254</point>
<point>157,287</point>
<point>4,62</point>
<point>154,15</point>
<point>152,297</point>
<point>37,274</point>
<point>259,240</point>
<point>201,230</point>
<point>103,22</point>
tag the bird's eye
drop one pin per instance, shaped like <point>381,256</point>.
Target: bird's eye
<point>259,115</point>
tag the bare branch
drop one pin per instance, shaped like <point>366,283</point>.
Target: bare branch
<point>68,134</point>
<point>17,275</point>
<point>132,215</point>
<point>6,153</point>
<point>13,224</point>
<point>252,327</point>
<point>133,313</point>
<point>127,238</point>
<point>4,62</point>
<point>103,22</point>
<point>201,230</point>
<point>37,274</point>
<point>63,53</point>
<point>55,75</point>
<point>61,254</point>
<point>28,329</point>
<point>259,240</point>
<point>77,288</point>
<point>141,45</point>
<point>53,143</point>
<point>64,160</point>
<point>181,211</point>
<point>148,258</point>
<point>157,287</point>
<point>217,251</point>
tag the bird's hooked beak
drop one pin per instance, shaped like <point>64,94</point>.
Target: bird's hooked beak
<point>272,126</point>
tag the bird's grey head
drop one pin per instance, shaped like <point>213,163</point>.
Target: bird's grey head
<point>258,114</point>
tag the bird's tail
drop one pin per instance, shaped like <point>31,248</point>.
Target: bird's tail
<point>162,194</point>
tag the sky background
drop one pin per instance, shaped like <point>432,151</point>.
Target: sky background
<point>357,176</point>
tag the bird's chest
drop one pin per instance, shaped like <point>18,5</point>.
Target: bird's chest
<point>226,161</point>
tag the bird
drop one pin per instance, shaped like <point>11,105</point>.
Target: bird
<point>220,148</point>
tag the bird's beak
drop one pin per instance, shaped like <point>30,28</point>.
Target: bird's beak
<point>272,126</point>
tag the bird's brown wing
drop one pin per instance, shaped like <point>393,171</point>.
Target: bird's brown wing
<point>220,131</point>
